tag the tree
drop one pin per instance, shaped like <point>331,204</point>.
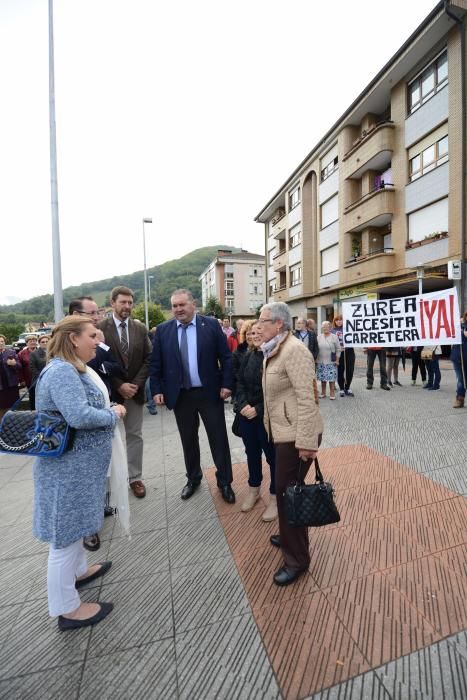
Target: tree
<point>155,314</point>
<point>11,331</point>
<point>213,306</point>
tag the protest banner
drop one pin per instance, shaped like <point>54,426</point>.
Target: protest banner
<point>426,319</point>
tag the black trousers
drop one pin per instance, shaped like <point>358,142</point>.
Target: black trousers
<point>294,540</point>
<point>345,368</point>
<point>417,362</point>
<point>191,404</point>
<point>372,355</point>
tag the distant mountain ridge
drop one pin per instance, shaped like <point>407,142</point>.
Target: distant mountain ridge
<point>173,274</point>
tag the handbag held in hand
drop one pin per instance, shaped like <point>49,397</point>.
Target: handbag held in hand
<point>310,505</point>
<point>36,433</point>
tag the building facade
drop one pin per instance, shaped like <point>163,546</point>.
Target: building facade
<point>384,191</point>
<point>237,280</point>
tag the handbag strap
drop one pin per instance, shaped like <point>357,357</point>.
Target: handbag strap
<point>26,393</point>
<point>318,474</point>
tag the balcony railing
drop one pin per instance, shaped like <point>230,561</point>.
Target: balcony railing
<point>359,258</point>
<point>366,134</point>
<point>382,186</point>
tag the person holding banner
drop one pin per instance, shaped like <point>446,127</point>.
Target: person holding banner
<point>372,354</point>
<point>326,362</point>
<point>417,362</point>
<point>431,355</point>
<point>459,361</point>
<point>346,359</point>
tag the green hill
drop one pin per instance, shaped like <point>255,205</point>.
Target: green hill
<point>173,274</point>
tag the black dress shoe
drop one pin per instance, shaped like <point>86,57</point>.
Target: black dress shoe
<point>189,489</point>
<point>285,577</point>
<point>227,493</point>
<point>104,567</point>
<point>275,540</point>
<point>64,623</point>
<point>92,542</point>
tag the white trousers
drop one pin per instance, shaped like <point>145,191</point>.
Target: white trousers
<point>64,565</point>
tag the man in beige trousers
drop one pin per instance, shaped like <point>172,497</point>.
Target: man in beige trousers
<point>129,341</point>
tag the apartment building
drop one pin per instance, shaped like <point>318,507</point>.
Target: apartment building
<point>237,280</point>
<point>383,192</point>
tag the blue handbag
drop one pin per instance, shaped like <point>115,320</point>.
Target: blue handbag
<point>35,433</point>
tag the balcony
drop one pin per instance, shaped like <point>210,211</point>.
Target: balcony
<point>280,260</point>
<point>373,209</point>
<point>278,225</point>
<point>377,262</point>
<point>372,151</point>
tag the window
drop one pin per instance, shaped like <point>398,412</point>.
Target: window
<point>295,275</point>
<point>295,236</point>
<point>429,220</point>
<point>255,272</point>
<point>330,260</point>
<point>428,82</point>
<point>330,211</point>
<point>229,288</point>
<point>429,158</point>
<point>329,169</point>
<point>294,197</point>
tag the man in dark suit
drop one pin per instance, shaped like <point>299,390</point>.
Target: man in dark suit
<point>191,372</point>
<point>129,342</point>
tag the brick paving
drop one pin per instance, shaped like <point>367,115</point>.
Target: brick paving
<point>381,614</point>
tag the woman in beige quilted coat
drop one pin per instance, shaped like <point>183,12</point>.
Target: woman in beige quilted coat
<point>293,420</point>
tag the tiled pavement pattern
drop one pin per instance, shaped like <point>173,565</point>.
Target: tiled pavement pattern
<point>380,615</point>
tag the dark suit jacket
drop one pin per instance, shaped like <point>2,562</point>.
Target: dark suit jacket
<point>214,360</point>
<point>104,358</point>
<point>138,358</point>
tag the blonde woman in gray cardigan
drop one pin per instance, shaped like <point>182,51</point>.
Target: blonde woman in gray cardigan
<point>293,421</point>
<point>69,490</point>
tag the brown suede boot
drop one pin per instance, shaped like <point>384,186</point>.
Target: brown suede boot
<point>459,402</point>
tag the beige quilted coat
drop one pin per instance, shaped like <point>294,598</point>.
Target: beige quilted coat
<point>291,412</point>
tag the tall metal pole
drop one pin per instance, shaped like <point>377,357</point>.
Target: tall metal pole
<point>57,265</point>
<point>146,311</point>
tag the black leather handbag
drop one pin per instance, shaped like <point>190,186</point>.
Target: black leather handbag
<point>36,433</point>
<point>310,505</point>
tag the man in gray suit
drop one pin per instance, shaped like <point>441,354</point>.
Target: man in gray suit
<point>129,341</point>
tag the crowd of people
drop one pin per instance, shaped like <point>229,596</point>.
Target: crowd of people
<point>99,371</point>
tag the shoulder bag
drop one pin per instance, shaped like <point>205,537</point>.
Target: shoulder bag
<point>310,505</point>
<point>35,433</point>
<point>428,352</point>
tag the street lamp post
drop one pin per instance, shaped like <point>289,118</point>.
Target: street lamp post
<point>146,312</point>
<point>57,265</point>
<point>420,276</point>
<point>150,277</point>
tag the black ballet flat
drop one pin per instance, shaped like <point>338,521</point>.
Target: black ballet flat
<point>64,623</point>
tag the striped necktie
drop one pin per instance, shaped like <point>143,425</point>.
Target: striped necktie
<point>124,341</point>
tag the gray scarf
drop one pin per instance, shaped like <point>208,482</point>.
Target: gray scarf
<point>271,345</point>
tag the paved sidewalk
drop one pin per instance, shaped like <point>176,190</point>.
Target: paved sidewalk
<point>381,614</point>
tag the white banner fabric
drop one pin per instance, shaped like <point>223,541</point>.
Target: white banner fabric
<point>426,319</point>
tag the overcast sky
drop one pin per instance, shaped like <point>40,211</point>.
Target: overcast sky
<point>191,112</point>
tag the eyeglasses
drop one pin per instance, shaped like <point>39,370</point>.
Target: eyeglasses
<point>265,320</point>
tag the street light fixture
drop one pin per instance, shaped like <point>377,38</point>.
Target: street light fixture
<point>420,276</point>
<point>146,313</point>
<point>150,277</point>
